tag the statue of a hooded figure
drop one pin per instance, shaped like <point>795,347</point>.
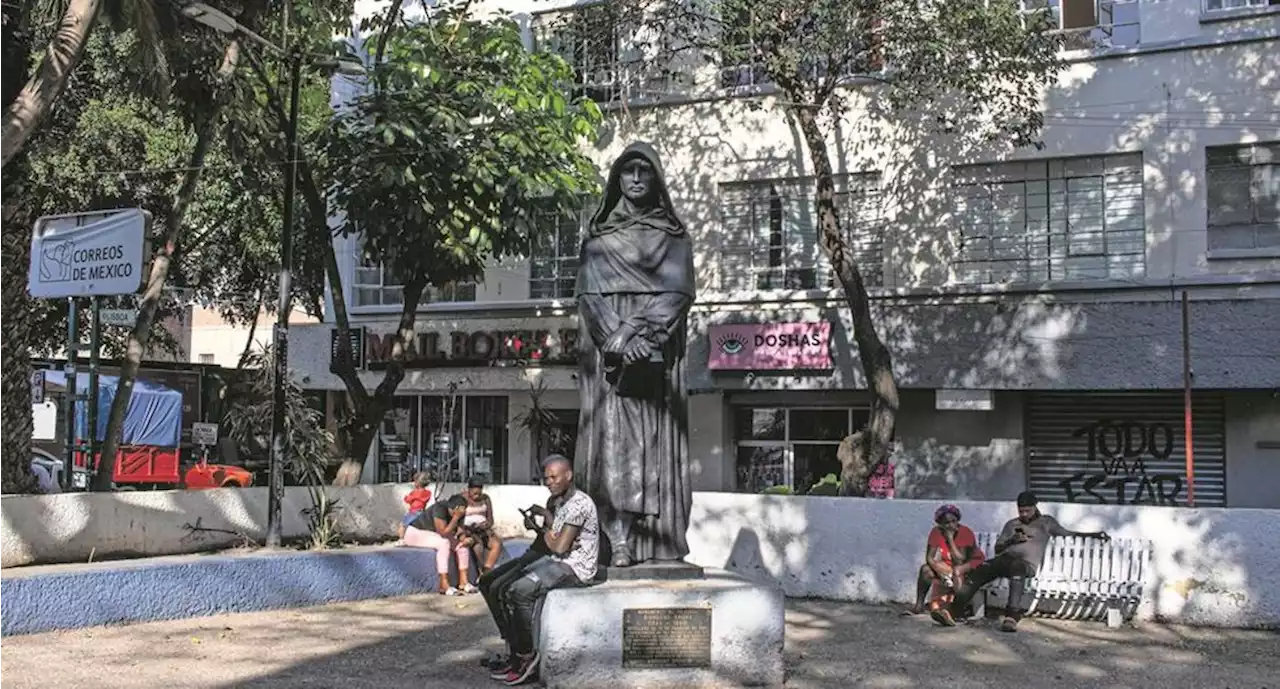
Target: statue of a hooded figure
<point>635,287</point>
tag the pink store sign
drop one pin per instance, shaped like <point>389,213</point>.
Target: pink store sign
<point>771,347</point>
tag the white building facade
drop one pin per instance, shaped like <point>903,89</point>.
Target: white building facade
<point>1031,299</point>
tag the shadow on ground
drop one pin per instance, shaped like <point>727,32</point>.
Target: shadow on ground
<point>438,642</point>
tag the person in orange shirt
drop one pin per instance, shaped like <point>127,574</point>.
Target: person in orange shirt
<point>417,500</point>
<point>951,552</point>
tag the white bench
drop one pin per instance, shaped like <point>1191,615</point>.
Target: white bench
<point>1087,577</point>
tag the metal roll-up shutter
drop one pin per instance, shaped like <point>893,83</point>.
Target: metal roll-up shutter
<point>1125,448</point>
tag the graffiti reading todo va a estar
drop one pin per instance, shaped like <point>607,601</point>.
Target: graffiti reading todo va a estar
<point>1120,450</point>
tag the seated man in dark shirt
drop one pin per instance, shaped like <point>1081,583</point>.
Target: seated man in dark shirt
<point>1019,553</point>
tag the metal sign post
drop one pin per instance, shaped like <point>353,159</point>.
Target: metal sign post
<point>95,346</point>
<point>69,397</point>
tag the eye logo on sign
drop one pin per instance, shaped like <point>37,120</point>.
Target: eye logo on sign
<point>732,343</point>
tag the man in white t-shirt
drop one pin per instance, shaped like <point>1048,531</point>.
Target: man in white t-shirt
<point>573,542</point>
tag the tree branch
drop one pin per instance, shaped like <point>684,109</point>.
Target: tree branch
<point>63,53</point>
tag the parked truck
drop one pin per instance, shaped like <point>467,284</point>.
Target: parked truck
<point>150,454</point>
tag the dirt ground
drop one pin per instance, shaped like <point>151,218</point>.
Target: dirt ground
<point>433,641</point>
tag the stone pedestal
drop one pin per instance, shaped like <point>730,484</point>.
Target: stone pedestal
<point>718,631</point>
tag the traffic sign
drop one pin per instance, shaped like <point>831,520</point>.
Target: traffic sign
<point>124,318</point>
<point>37,387</point>
<point>204,433</point>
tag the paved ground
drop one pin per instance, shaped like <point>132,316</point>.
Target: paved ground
<point>432,641</point>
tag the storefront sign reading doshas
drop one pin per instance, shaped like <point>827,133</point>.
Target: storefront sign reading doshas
<point>771,347</point>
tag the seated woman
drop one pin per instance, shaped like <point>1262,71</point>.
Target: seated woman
<point>440,528</point>
<point>940,574</point>
<point>478,523</point>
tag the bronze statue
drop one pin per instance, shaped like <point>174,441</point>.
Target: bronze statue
<point>635,287</point>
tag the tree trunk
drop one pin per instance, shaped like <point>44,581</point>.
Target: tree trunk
<point>15,303</point>
<point>15,472</point>
<point>871,448</point>
<point>253,330</point>
<point>370,411</point>
<point>24,114</point>
<point>150,302</point>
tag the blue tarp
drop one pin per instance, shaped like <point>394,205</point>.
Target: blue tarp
<point>154,416</point>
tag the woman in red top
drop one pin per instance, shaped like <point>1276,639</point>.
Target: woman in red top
<point>417,500</point>
<point>940,574</point>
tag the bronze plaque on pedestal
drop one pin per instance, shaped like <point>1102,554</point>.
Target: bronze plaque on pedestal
<point>666,637</point>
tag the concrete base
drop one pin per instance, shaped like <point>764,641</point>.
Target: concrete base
<point>657,570</point>
<point>581,633</point>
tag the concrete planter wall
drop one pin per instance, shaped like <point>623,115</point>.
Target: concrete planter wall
<point>77,527</point>
<point>1210,566</point>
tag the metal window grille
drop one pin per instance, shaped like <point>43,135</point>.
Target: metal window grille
<point>769,233</point>
<point>554,260</point>
<point>1055,220</point>
<point>610,54</point>
<point>1220,5</point>
<point>1244,196</point>
<point>374,286</point>
<point>1092,23</point>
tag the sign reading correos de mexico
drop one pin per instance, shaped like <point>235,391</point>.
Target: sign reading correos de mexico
<point>88,254</point>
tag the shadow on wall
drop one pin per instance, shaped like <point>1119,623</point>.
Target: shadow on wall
<point>79,527</point>
<point>1212,567</point>
<point>930,469</point>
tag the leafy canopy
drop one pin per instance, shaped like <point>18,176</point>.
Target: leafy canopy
<point>465,138</point>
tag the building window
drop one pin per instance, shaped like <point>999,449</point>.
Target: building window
<point>1091,23</point>
<point>1244,196</point>
<point>373,286</point>
<point>454,437</point>
<point>769,233</point>
<point>738,70</point>
<point>608,53</point>
<point>554,263</point>
<point>206,358</point>
<point>1055,220</point>
<point>795,447</point>
<point>1221,5</point>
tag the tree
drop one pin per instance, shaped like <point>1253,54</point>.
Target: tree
<point>26,97</point>
<point>206,95</point>
<point>972,67</point>
<point>25,112</point>
<point>442,166</point>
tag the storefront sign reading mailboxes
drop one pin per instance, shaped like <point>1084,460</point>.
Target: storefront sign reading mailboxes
<point>478,348</point>
<point>771,347</point>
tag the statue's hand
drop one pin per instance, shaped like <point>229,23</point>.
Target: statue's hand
<point>638,350</point>
<point>616,345</point>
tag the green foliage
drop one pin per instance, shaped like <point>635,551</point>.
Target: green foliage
<point>322,519</point>
<point>829,485</point>
<point>466,135</point>
<point>778,490</point>
<point>247,420</point>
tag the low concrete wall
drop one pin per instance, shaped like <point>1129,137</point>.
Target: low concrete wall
<point>1210,566</point>
<point>47,598</point>
<point>78,527</point>
<point>1215,567</point>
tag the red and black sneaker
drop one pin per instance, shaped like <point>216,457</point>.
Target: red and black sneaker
<point>499,668</point>
<point>523,671</point>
